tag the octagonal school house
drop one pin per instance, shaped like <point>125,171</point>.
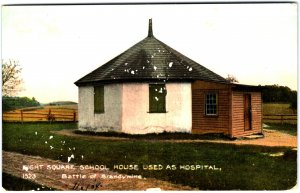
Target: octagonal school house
<point>152,88</point>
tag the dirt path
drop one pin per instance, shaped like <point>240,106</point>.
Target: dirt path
<point>18,165</point>
<point>271,138</point>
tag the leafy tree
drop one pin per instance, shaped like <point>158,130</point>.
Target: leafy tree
<point>276,93</point>
<point>232,79</point>
<point>11,77</point>
<point>11,103</point>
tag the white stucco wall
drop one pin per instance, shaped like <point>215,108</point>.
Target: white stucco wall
<point>110,119</point>
<point>136,118</point>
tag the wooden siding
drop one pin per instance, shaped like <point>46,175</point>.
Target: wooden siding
<point>202,123</point>
<point>238,113</point>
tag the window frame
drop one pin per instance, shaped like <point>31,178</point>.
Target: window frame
<point>162,97</point>
<point>100,92</point>
<point>216,104</point>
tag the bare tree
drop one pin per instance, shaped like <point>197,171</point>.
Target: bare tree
<point>231,78</point>
<point>11,77</point>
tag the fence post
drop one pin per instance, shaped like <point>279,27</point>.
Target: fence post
<point>49,116</point>
<point>74,116</point>
<point>22,116</point>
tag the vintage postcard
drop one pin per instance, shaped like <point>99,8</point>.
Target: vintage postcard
<point>159,96</point>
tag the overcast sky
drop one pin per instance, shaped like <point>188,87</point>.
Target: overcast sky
<point>57,45</point>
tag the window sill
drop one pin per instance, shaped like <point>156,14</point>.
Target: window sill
<point>99,112</point>
<point>152,112</point>
<point>212,116</point>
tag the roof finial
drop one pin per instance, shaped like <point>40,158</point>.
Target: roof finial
<point>150,32</point>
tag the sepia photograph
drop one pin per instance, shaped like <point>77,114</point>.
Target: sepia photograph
<point>149,96</point>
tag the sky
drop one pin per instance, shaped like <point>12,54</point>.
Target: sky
<point>57,45</point>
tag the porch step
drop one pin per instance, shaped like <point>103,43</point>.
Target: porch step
<point>254,136</point>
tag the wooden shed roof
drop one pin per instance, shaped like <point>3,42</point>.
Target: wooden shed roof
<point>150,60</point>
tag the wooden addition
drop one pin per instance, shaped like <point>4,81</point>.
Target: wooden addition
<point>238,109</point>
<point>246,121</point>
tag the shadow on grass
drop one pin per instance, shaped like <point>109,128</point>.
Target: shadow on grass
<point>158,136</point>
<point>286,128</point>
<point>10,182</point>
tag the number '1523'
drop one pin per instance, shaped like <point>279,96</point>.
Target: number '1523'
<point>29,176</point>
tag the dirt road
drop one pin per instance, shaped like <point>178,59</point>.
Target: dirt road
<point>50,173</point>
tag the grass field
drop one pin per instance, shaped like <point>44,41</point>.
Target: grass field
<point>279,109</point>
<point>42,114</point>
<point>243,167</point>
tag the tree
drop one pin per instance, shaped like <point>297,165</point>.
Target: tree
<point>231,78</point>
<point>11,77</point>
<point>276,93</point>
<point>12,103</point>
<point>293,103</point>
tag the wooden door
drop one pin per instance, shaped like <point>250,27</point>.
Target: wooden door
<point>247,112</point>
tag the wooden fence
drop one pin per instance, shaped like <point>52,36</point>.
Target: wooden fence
<point>71,115</point>
<point>292,118</point>
<point>43,115</point>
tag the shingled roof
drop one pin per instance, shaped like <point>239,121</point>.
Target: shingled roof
<point>150,60</point>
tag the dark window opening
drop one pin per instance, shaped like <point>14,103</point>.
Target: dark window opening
<point>157,98</point>
<point>99,99</point>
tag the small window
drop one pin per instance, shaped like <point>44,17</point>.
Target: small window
<point>211,104</point>
<point>99,99</point>
<point>157,98</point>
